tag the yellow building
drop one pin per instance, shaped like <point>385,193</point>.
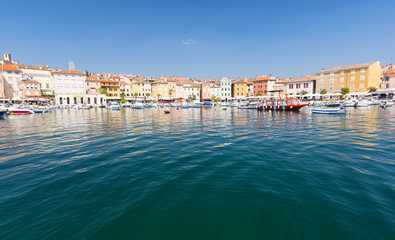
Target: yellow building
<point>240,89</point>
<point>160,89</point>
<point>111,86</point>
<point>355,77</point>
<point>141,89</point>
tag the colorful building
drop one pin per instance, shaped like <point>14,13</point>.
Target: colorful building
<point>260,85</point>
<point>239,89</point>
<point>298,85</point>
<point>356,77</point>
<point>160,89</point>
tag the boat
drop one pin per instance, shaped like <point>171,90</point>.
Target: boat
<point>385,104</point>
<point>328,110</point>
<point>224,104</point>
<point>3,113</point>
<point>233,104</point>
<point>127,105</point>
<point>207,105</point>
<point>19,111</point>
<point>197,104</point>
<point>167,111</point>
<point>248,105</point>
<point>282,104</point>
<point>114,106</point>
<point>138,105</point>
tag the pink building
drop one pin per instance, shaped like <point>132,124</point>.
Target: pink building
<point>206,91</point>
<point>31,91</point>
<point>178,91</point>
<point>388,80</point>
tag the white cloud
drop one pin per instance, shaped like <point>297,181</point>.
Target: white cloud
<point>189,41</point>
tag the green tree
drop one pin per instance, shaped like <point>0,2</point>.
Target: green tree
<point>159,95</point>
<point>217,99</point>
<point>372,89</point>
<point>122,95</point>
<point>123,100</point>
<point>323,91</point>
<point>213,98</point>
<point>87,73</point>
<point>259,94</point>
<point>303,92</point>
<point>103,91</point>
<point>345,90</point>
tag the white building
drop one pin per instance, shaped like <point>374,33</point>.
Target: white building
<point>305,83</point>
<point>41,74</point>
<point>225,85</point>
<point>12,77</point>
<point>69,86</point>
<point>192,90</point>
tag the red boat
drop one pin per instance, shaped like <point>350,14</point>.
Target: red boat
<point>18,111</point>
<point>282,104</point>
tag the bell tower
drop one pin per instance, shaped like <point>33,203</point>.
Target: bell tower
<point>7,56</point>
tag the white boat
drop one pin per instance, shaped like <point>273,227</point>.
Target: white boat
<point>19,111</point>
<point>224,104</point>
<point>197,104</point>
<point>363,103</point>
<point>328,110</point>
<point>126,105</point>
<point>248,105</point>
<point>138,105</point>
<point>114,106</point>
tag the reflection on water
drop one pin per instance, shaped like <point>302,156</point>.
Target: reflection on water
<point>197,174</point>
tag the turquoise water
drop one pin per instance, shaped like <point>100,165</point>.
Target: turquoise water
<point>197,174</point>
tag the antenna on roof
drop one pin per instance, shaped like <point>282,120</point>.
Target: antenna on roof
<point>71,65</point>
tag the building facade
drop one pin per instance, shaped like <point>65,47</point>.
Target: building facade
<point>356,77</point>
<point>304,84</point>
<point>225,85</point>
<point>239,89</point>
<point>69,86</point>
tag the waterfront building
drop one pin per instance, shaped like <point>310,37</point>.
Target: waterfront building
<point>92,90</point>
<point>12,77</point>
<point>225,85</point>
<point>160,90</point>
<point>41,74</point>
<point>281,85</point>
<point>250,87</point>
<point>125,88</point>
<point>356,77</point>
<point>192,91</point>
<point>178,91</point>
<point>110,87</point>
<point>31,91</point>
<point>388,81</point>
<point>239,89</point>
<point>260,85</point>
<point>206,91</point>
<point>215,91</point>
<point>305,83</point>
<point>141,89</point>
<point>69,86</point>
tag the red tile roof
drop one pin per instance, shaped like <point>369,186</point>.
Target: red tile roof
<point>391,71</point>
<point>77,72</point>
<point>303,79</point>
<point>9,67</point>
<point>342,68</point>
<point>260,78</point>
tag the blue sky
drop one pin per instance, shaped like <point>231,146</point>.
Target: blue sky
<point>199,39</point>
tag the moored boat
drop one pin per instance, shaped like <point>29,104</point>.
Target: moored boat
<point>328,110</point>
<point>282,104</point>
<point>20,111</point>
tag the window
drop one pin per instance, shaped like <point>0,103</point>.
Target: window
<point>291,86</point>
<point>361,86</point>
<point>28,93</point>
<point>352,78</point>
<point>298,85</point>
<point>36,93</point>
<point>321,88</point>
<point>332,73</point>
<point>342,72</point>
<point>352,71</point>
<point>342,79</point>
<point>351,86</point>
<point>331,80</point>
<point>363,70</point>
<point>362,77</point>
<point>322,81</point>
<point>341,87</point>
<point>331,88</point>
<point>305,85</point>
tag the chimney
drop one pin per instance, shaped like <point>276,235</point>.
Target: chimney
<point>7,56</point>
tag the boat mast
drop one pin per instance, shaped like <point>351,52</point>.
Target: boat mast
<point>2,79</point>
